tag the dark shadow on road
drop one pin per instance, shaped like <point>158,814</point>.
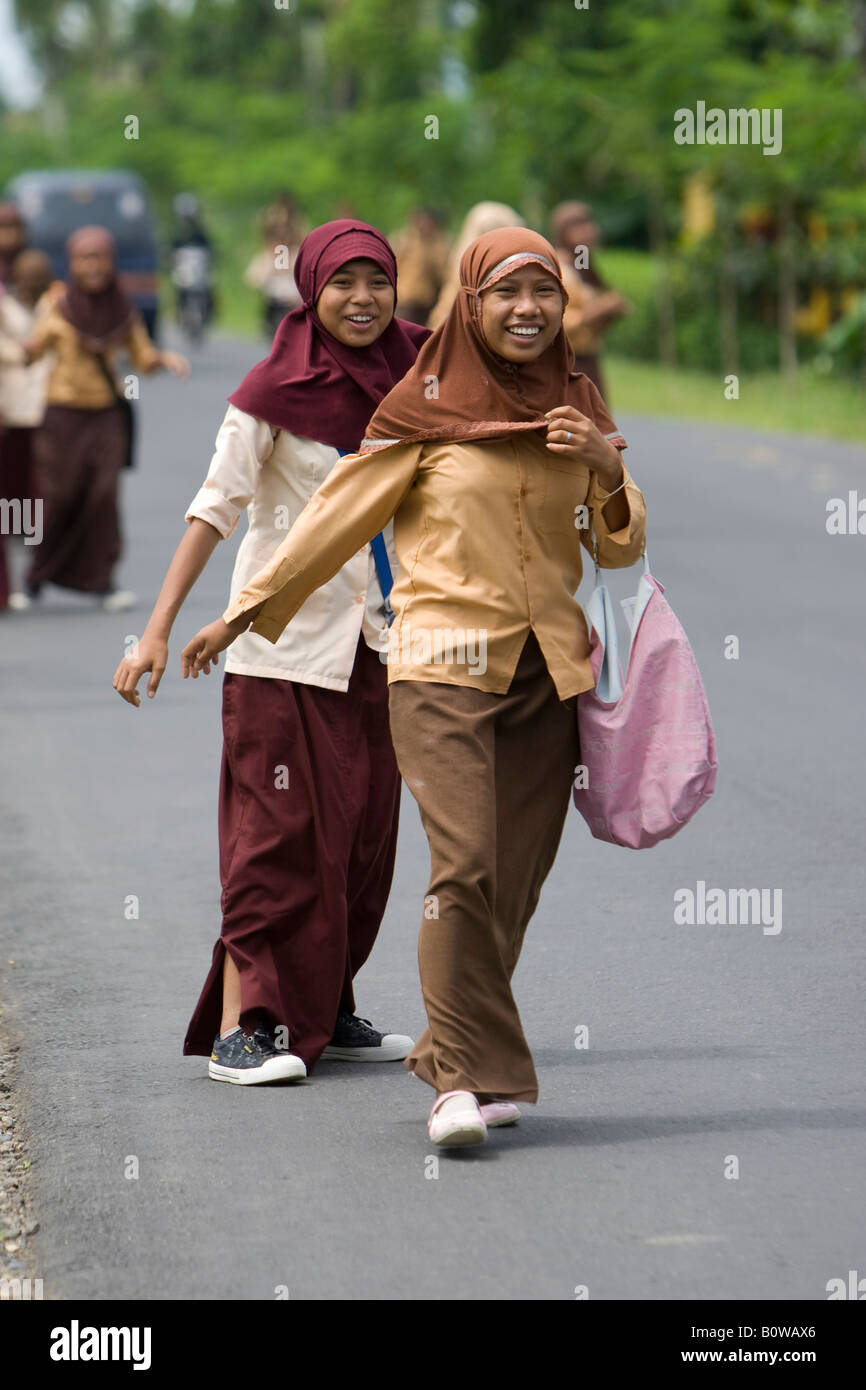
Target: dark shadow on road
<point>548,1131</point>
<point>551,1056</point>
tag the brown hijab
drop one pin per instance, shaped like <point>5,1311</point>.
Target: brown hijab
<point>480,395</point>
<point>102,320</point>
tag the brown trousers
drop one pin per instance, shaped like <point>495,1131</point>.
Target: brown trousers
<point>492,776</point>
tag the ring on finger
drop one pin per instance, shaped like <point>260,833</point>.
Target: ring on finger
<point>568,436</point>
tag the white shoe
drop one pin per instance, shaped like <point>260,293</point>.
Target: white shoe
<point>456,1120</point>
<point>120,601</point>
<point>19,602</point>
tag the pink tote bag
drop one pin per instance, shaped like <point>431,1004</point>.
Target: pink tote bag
<point>648,752</point>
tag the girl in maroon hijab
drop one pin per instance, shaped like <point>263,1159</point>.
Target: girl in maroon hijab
<point>309,791</point>
<point>82,444</point>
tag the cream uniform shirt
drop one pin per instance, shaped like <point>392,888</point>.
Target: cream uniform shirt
<point>273,474</point>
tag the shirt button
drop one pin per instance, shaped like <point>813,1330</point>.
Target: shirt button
<point>523,492</point>
<point>527,556</point>
<point>359,598</point>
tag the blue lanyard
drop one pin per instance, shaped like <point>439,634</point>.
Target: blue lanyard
<point>381,561</point>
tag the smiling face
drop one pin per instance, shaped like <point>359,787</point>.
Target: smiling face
<point>93,270</point>
<point>521,314</point>
<point>357,303</point>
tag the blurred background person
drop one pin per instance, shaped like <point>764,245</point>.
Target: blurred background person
<point>13,239</point>
<point>192,268</point>
<point>84,441</point>
<point>272,270</point>
<point>282,220</point>
<point>592,307</point>
<point>421,248</point>
<point>22,389</point>
<point>480,219</point>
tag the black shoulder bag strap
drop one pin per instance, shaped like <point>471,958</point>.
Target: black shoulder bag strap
<point>125,406</point>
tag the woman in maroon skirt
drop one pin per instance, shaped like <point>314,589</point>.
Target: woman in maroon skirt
<point>81,447</point>
<point>309,791</point>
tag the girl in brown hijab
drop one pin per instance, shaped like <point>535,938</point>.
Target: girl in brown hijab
<point>81,447</point>
<point>492,456</point>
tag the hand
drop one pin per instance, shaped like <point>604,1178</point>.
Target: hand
<point>575,436</point>
<point>151,654</point>
<point>204,648</point>
<point>175,362</point>
<point>614,305</point>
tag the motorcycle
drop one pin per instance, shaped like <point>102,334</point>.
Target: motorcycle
<point>192,278</point>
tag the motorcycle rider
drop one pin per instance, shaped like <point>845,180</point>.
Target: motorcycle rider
<point>192,258</point>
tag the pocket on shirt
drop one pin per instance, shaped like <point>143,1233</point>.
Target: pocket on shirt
<point>566,488</point>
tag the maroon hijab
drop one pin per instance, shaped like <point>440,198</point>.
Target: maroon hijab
<point>312,384</point>
<point>102,320</point>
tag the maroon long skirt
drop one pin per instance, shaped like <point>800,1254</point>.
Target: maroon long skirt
<point>305,868</point>
<point>15,485</point>
<point>78,457</point>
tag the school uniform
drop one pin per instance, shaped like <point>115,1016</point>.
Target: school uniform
<point>309,787</point>
<point>487,544</point>
<point>79,454</point>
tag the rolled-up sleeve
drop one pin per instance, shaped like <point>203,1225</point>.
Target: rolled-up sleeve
<point>243,444</point>
<point>616,549</point>
<point>357,499</point>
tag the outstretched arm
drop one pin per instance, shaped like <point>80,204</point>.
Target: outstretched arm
<point>151,652</point>
<point>243,446</point>
<point>358,498</point>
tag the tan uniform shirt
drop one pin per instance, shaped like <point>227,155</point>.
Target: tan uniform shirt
<point>77,379</point>
<point>489,540</point>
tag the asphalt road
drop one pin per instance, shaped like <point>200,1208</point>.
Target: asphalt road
<point>705,1042</point>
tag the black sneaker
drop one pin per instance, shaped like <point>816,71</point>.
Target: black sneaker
<point>247,1059</point>
<point>356,1040</point>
